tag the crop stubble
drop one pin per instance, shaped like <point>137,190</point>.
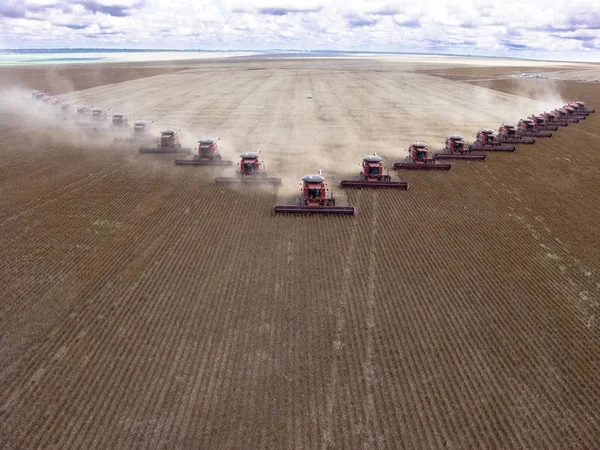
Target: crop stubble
<point>145,306</point>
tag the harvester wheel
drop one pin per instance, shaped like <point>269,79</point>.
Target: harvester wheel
<point>218,157</point>
<point>386,178</point>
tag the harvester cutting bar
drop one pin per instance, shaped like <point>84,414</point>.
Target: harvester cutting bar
<point>538,134</point>
<point>493,148</point>
<point>570,119</point>
<point>420,166</point>
<point>337,210</point>
<point>199,162</point>
<point>248,180</point>
<point>457,156</point>
<point>548,127</point>
<point>523,140</point>
<point>374,184</point>
<point>165,150</point>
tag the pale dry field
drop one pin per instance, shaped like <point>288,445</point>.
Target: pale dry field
<point>143,306</point>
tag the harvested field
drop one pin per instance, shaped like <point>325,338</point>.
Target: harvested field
<point>144,306</point>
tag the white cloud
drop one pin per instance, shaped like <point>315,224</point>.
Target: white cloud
<point>562,28</point>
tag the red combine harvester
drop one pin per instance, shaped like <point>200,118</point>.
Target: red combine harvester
<point>554,118</point>
<point>372,176</point>
<point>572,112</point>
<point>526,127</point>
<point>419,158</point>
<point>168,142</point>
<point>119,121</point>
<point>83,115</point>
<point>141,133</point>
<point>251,172</point>
<point>485,140</point>
<point>67,110</point>
<point>38,95</point>
<point>580,108</point>
<point>315,200</point>
<point>541,123</point>
<point>507,133</point>
<point>207,154</point>
<point>456,149</point>
<point>563,115</point>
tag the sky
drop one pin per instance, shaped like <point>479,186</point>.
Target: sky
<point>555,30</point>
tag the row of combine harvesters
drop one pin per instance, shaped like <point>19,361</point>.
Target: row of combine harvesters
<point>315,198</point>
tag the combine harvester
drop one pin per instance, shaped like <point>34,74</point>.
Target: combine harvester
<point>419,158</point>
<point>456,149</point>
<point>580,108</point>
<point>119,121</point>
<point>251,172</point>
<point>141,133</point>
<point>507,133</point>
<point>372,176</point>
<point>526,127</point>
<point>541,123</point>
<point>563,115</point>
<point>207,154</point>
<point>168,142</point>
<point>66,110</point>
<point>83,115</point>
<point>553,118</point>
<point>314,200</point>
<point>572,113</point>
<point>486,141</point>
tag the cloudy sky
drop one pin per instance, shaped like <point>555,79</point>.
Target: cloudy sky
<point>559,29</point>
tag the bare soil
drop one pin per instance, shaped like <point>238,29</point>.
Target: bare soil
<point>144,306</point>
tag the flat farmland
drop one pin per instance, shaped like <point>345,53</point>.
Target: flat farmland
<point>145,306</point>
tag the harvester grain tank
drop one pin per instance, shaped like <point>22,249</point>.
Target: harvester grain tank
<point>372,176</point>
<point>487,141</point>
<point>207,154</point>
<point>251,172</point>
<point>540,122</point>
<point>507,133</point>
<point>526,127</point>
<point>315,199</point>
<point>419,158</point>
<point>455,148</point>
<point>168,142</point>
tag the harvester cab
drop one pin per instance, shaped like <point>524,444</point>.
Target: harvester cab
<point>315,199</point>
<point>99,115</point>
<point>169,139</point>
<point>208,150</point>
<point>372,176</point>
<point>141,128</point>
<point>250,164</point>
<point>120,120</point>
<point>419,158</point>
<point>455,148</point>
